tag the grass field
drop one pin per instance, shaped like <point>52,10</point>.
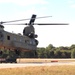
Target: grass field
<point>42,70</point>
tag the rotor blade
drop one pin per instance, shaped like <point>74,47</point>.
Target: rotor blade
<point>17,24</point>
<point>31,22</point>
<point>51,24</point>
<point>40,24</point>
<point>23,19</point>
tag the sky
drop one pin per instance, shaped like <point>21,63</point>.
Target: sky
<point>62,11</point>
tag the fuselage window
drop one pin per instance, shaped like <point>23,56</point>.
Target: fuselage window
<point>8,37</point>
<point>14,38</point>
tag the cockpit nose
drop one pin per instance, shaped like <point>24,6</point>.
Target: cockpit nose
<point>1,27</point>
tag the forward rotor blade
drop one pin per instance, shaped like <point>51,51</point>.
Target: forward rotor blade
<point>23,19</point>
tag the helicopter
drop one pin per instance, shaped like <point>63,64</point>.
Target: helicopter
<point>19,42</point>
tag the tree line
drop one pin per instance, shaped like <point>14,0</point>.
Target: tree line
<point>49,52</point>
<point>56,52</point>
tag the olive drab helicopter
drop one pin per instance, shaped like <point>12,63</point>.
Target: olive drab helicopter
<point>25,42</point>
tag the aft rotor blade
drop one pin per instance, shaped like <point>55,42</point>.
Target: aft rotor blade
<point>17,24</point>
<point>51,24</point>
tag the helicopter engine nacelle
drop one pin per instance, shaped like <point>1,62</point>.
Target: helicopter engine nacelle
<point>29,31</point>
<point>35,36</point>
<point>31,35</point>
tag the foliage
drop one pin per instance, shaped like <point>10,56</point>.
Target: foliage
<point>51,54</point>
<point>55,52</point>
<point>72,46</point>
<point>41,53</point>
<point>73,53</point>
<point>58,54</point>
<point>49,47</point>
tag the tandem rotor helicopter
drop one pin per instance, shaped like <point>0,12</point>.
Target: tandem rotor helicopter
<point>25,42</point>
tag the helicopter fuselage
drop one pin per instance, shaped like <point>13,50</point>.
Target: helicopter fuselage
<point>16,41</point>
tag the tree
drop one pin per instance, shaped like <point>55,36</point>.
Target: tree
<point>73,53</point>
<point>41,52</point>
<point>50,47</point>
<point>58,54</point>
<point>63,55</point>
<point>51,54</point>
<point>72,46</point>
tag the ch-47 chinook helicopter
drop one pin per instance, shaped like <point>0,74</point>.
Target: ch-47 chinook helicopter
<point>25,42</point>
